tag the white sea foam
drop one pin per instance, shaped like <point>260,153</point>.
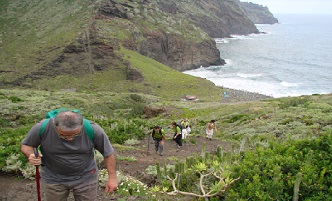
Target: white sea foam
<point>221,40</point>
<point>245,75</point>
<point>288,84</point>
<point>266,88</point>
<point>202,72</point>
<point>240,37</point>
<point>228,62</point>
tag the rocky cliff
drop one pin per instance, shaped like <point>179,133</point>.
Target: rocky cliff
<point>217,18</point>
<point>179,33</point>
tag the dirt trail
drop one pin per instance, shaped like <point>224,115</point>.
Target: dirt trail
<point>13,189</point>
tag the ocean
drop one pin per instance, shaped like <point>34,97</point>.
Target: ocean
<point>291,58</point>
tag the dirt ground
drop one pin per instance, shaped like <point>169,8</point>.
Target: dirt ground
<point>13,189</point>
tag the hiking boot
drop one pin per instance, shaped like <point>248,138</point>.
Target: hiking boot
<point>179,147</point>
<point>161,154</point>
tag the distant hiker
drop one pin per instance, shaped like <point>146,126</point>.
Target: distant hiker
<point>184,132</point>
<point>210,128</point>
<point>186,125</point>
<point>158,135</point>
<point>225,94</point>
<point>177,137</point>
<point>67,156</point>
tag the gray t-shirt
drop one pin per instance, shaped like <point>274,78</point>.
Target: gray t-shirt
<point>71,161</point>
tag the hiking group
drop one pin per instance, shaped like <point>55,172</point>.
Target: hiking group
<point>66,144</point>
<point>181,132</point>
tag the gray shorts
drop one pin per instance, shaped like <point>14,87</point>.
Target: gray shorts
<point>86,191</point>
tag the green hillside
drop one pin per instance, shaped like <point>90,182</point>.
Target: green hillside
<point>33,33</point>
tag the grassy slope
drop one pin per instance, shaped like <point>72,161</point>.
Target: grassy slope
<point>168,83</point>
<point>159,80</point>
<point>34,32</point>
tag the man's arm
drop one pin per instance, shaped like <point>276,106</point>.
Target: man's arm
<point>112,183</point>
<point>28,152</point>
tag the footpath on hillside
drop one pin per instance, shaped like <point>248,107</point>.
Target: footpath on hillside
<point>15,189</point>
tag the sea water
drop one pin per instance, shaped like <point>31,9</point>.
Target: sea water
<point>291,58</point>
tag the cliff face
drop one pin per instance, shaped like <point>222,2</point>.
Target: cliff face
<point>169,39</point>
<point>258,14</point>
<point>179,32</point>
<point>180,54</point>
<point>217,18</point>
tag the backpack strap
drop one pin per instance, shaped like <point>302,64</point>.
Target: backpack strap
<point>86,125</point>
<point>179,127</point>
<point>89,129</point>
<point>43,126</point>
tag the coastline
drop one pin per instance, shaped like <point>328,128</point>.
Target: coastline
<point>235,95</point>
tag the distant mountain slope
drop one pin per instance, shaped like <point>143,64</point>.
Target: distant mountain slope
<point>258,14</point>
<point>217,18</point>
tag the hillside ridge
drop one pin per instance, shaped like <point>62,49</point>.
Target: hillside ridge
<point>76,40</point>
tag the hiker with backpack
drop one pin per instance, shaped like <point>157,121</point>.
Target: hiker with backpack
<point>67,142</point>
<point>158,135</point>
<point>177,137</point>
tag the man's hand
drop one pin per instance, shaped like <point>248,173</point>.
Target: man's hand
<point>33,160</point>
<point>111,185</point>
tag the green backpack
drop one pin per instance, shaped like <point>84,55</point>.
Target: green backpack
<point>51,114</point>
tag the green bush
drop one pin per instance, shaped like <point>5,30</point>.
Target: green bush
<point>239,118</point>
<point>10,144</point>
<point>264,174</point>
<point>121,130</point>
<point>15,99</point>
<point>293,102</point>
<point>270,174</point>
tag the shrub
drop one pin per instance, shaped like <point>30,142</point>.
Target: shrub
<point>239,118</point>
<point>15,99</point>
<point>119,131</point>
<point>271,173</point>
<point>293,102</point>
<point>127,185</point>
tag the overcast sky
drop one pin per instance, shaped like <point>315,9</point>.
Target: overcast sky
<point>296,6</point>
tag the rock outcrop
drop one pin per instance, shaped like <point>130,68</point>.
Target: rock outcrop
<point>258,14</point>
<point>217,18</point>
<point>180,54</point>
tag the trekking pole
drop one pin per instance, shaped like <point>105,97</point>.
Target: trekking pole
<point>147,153</point>
<point>37,174</point>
